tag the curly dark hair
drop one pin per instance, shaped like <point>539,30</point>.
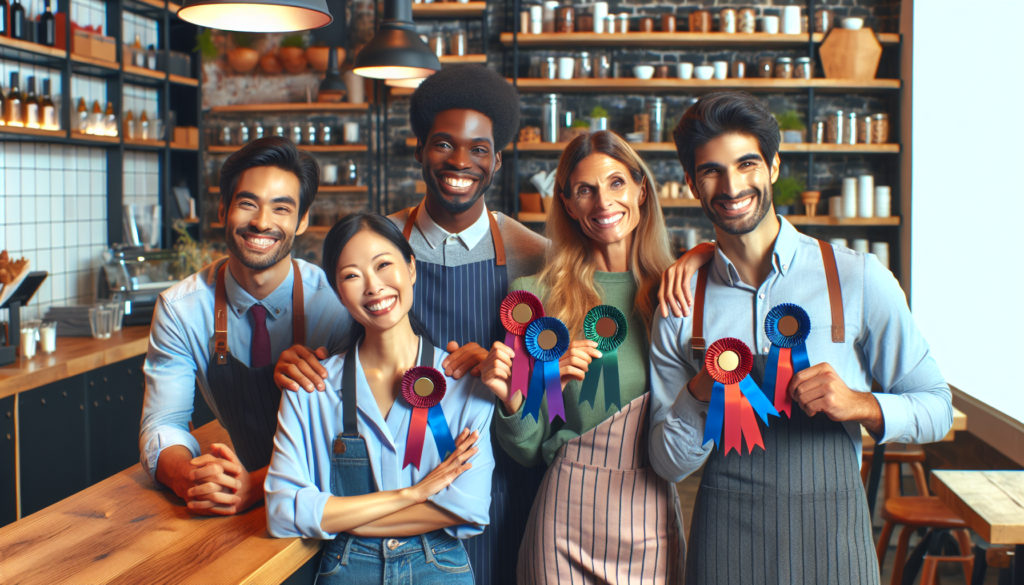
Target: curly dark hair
<point>272,151</point>
<point>470,87</point>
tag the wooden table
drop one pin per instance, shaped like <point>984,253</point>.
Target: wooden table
<point>124,530</point>
<point>991,503</point>
<point>74,355</point>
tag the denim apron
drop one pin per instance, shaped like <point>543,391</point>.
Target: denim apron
<point>461,304</point>
<point>432,558</point>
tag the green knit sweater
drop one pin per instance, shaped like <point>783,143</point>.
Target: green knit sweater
<point>528,441</point>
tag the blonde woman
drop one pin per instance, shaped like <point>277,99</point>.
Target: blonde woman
<point>601,511</point>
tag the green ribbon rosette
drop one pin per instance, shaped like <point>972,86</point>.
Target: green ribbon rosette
<point>606,325</point>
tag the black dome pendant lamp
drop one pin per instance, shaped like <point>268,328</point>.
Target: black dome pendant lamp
<point>261,16</point>
<point>396,51</point>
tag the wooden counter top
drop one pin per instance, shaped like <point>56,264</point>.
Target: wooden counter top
<point>74,355</point>
<point>124,530</point>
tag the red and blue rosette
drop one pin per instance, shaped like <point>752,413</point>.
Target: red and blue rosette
<point>606,325</point>
<point>734,398</point>
<point>423,387</point>
<point>518,310</point>
<point>547,339</point>
<point>787,326</point>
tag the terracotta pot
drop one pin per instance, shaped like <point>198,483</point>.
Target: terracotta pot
<point>293,59</point>
<point>318,56</point>
<point>243,60</point>
<point>270,64</point>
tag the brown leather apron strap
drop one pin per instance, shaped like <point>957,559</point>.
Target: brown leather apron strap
<point>697,342</point>
<point>411,221</point>
<point>499,244</point>
<point>298,307</point>
<point>835,292</point>
<point>220,318</point>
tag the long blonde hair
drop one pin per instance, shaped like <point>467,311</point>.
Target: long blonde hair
<point>568,274</point>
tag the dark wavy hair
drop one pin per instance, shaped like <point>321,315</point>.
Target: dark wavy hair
<point>272,151</point>
<point>722,112</point>
<point>466,87</point>
<point>339,237</point>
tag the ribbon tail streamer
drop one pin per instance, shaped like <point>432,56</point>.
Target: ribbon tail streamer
<point>442,434</point>
<point>800,360</point>
<point>611,379</point>
<point>588,391</point>
<point>751,434</point>
<point>556,407</point>
<point>716,414</point>
<point>757,399</point>
<point>783,399</point>
<point>535,395</point>
<point>771,368</point>
<point>732,430</point>
<point>414,443</point>
<point>520,364</point>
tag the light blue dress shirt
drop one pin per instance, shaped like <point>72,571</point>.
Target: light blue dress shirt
<point>181,342</point>
<point>882,342</point>
<point>298,482</point>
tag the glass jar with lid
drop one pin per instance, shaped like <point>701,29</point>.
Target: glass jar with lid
<point>623,22</point>
<point>784,68</point>
<point>765,66</point>
<point>880,128</point>
<point>803,68</point>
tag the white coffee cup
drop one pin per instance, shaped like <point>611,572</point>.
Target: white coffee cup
<point>566,66</point>
<point>351,132</point>
<point>852,23</point>
<point>860,245</point>
<point>328,174</point>
<point>841,242</point>
<point>791,22</point>
<point>883,201</point>
<point>881,250</point>
<point>770,24</point>
<point>721,69</point>
<point>704,71</point>
<point>643,71</point>
<point>354,83</point>
<point>684,70</point>
<point>536,19</point>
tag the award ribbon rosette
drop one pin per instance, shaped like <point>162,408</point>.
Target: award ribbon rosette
<point>547,339</point>
<point>734,398</point>
<point>606,325</point>
<point>787,327</point>
<point>423,387</point>
<point>518,310</point>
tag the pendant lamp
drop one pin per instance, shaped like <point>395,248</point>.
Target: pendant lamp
<point>332,88</point>
<point>412,82</point>
<point>257,15</point>
<point>396,51</point>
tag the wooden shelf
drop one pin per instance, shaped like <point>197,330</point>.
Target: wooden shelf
<point>178,146</point>
<point>173,8</point>
<point>850,221</point>
<point>449,10</point>
<point>462,59</point>
<point>153,3</point>
<point>143,72</point>
<point>677,39</point>
<point>112,65</point>
<point>95,137</point>
<point>355,189</point>
<point>32,47</point>
<point>32,131</point>
<point>674,84</point>
<point>401,91</point>
<point>680,202</point>
<point>297,107</point>
<point>840,148</point>
<point>130,142</point>
<point>182,80</point>
<point>307,147</point>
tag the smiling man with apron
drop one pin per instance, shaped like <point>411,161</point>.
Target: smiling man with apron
<point>222,329</point>
<point>794,511</point>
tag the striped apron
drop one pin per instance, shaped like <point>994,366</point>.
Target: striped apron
<point>461,304</point>
<point>247,398</point>
<point>603,514</point>
<point>794,512</point>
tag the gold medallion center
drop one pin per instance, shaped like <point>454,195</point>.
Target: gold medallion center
<point>522,313</point>
<point>789,326</point>
<point>606,327</point>
<point>729,361</point>
<point>423,387</point>
<point>547,339</point>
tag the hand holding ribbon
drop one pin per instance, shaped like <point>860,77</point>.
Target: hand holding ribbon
<point>519,309</point>
<point>734,398</point>
<point>546,339</point>
<point>423,387</point>
<point>606,325</point>
<point>787,326</point>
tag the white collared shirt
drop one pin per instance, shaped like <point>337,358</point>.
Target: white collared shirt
<point>435,235</point>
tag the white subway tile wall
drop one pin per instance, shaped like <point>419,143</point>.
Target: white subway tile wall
<point>89,13</point>
<point>138,99</point>
<point>145,28</point>
<point>141,180</point>
<point>53,211</point>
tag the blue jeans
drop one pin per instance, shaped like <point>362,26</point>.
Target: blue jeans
<point>434,557</point>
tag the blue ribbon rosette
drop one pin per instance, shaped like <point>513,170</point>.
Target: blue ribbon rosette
<point>787,326</point>
<point>547,340</point>
<point>606,325</point>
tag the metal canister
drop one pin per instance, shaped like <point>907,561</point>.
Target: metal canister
<point>738,69</point>
<point>765,66</point>
<point>610,24</point>
<point>602,66</point>
<point>851,128</point>
<point>552,127</point>
<point>656,111</point>
<point>880,129</point>
<point>584,65</point>
<point>784,68</point>
<point>803,68</point>
<point>746,20</point>
<point>549,69</point>
<point>835,126</point>
<point>297,134</point>
<point>700,21</point>
<point>819,133</point>
<point>727,20</point>
<point>623,22</point>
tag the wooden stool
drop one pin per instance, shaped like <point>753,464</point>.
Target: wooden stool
<point>913,512</point>
<point>931,565</point>
<point>893,475</point>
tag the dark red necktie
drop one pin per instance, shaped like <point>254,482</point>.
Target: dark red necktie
<point>260,337</point>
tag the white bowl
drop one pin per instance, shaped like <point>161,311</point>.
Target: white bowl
<point>643,71</point>
<point>852,23</point>
<point>703,71</point>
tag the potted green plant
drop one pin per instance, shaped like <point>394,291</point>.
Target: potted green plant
<point>598,119</point>
<point>785,193</point>
<point>792,127</point>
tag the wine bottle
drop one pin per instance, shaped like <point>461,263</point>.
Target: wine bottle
<point>31,104</point>
<point>110,120</point>
<point>96,119</point>
<point>18,21</point>
<point>129,126</point>
<point>82,114</point>
<point>47,26</point>
<point>144,127</point>
<point>15,114</point>
<point>47,110</point>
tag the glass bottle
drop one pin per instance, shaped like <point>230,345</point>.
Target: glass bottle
<point>243,132</point>
<point>325,134</point>
<point>110,120</point>
<point>138,55</point>
<point>144,127</point>
<point>258,130</point>
<point>151,58</point>
<point>17,21</point>
<point>297,134</point>
<point>31,104</point>
<point>47,26</point>
<point>48,112</point>
<point>5,15</point>
<point>311,133</point>
<point>129,126</point>
<point>15,109</point>
<point>656,111</point>
<point>96,118</point>
<point>82,115</point>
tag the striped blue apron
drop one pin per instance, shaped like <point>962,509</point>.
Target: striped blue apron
<point>460,303</point>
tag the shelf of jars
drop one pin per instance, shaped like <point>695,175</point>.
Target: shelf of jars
<point>101,63</point>
<point>448,9</point>
<point>674,84</point>
<point>144,143</point>
<point>184,147</point>
<point>182,80</point>
<point>349,189</point>
<point>670,147</point>
<point>671,39</point>
<point>219,149</point>
<point>291,108</point>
